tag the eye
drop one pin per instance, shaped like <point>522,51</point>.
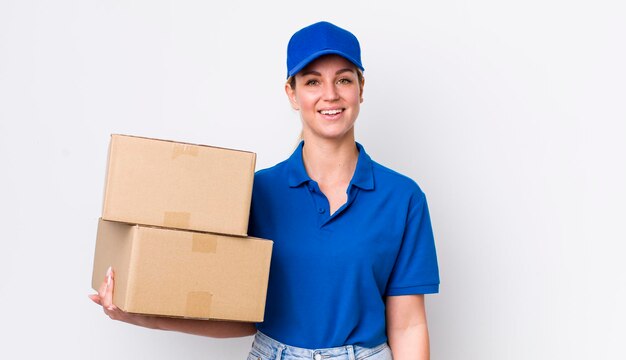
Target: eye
<point>311,82</point>
<point>344,81</point>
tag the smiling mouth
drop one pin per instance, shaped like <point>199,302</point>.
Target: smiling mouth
<point>331,112</point>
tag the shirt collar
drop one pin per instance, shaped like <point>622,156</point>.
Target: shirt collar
<point>296,172</point>
<point>363,174</point>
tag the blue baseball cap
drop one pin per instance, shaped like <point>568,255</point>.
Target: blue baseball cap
<point>320,39</point>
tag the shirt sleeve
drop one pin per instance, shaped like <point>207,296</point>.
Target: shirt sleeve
<point>415,270</point>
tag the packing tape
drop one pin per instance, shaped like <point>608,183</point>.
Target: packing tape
<point>179,220</point>
<point>184,149</point>
<point>199,304</point>
<point>204,243</point>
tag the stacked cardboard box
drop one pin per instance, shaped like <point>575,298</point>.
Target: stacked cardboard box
<point>173,226</point>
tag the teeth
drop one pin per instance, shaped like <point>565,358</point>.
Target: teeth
<point>330,112</point>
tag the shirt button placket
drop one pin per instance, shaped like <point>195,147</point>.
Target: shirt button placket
<point>317,356</point>
<point>318,198</point>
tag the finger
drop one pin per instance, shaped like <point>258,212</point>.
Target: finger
<point>109,290</point>
<point>103,286</point>
<point>114,312</point>
<point>95,298</point>
<point>105,296</point>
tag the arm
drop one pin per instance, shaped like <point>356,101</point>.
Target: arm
<point>407,329</point>
<point>218,329</point>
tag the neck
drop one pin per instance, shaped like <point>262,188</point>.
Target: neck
<point>330,161</point>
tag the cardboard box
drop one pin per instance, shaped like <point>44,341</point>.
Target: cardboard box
<point>177,185</point>
<point>183,274</point>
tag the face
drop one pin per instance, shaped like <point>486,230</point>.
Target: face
<point>328,95</point>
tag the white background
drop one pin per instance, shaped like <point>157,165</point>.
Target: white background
<point>510,115</point>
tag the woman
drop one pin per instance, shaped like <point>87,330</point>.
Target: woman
<point>353,245</point>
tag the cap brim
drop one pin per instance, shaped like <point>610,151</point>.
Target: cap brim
<point>302,64</point>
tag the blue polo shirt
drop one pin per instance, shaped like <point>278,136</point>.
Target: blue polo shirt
<point>330,274</point>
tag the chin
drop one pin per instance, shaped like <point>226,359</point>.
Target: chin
<point>329,135</point>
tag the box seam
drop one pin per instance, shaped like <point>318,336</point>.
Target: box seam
<point>108,175</point>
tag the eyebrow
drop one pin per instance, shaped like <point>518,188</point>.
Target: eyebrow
<point>316,73</point>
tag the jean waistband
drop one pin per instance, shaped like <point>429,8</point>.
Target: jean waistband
<point>274,349</point>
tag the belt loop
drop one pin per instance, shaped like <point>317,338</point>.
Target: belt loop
<point>279,353</point>
<point>351,355</point>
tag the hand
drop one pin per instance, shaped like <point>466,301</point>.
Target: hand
<point>219,329</point>
<point>104,298</point>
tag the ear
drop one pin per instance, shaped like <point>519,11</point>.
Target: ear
<point>291,95</point>
<point>361,89</point>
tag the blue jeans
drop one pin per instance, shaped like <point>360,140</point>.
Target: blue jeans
<point>266,348</point>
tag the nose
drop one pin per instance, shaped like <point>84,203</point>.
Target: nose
<point>330,92</point>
